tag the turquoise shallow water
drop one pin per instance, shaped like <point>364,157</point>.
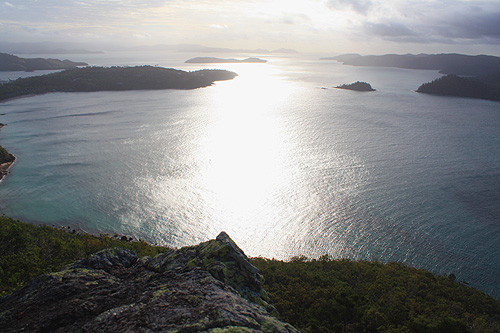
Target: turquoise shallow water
<point>283,166</point>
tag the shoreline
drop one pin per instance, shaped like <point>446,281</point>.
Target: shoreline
<point>4,167</point>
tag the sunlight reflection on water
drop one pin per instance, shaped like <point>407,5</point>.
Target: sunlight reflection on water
<point>285,167</point>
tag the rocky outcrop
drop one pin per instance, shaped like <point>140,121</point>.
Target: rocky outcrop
<point>210,287</point>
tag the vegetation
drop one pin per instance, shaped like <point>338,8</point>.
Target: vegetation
<point>483,87</point>
<point>321,295</point>
<point>5,156</point>
<point>112,79</point>
<point>327,295</point>
<point>358,86</point>
<point>27,251</point>
<point>12,63</point>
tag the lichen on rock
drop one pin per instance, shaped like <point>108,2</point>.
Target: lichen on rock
<point>210,287</point>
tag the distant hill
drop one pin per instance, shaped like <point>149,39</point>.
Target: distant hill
<point>357,86</point>
<point>12,63</point>
<point>212,60</point>
<point>65,51</point>
<point>482,87</point>
<point>112,79</point>
<point>285,51</point>
<point>458,64</point>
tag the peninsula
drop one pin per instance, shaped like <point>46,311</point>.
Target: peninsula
<point>458,64</point>
<point>482,87</point>
<point>357,86</point>
<point>6,159</point>
<point>90,79</point>
<point>10,62</point>
<point>212,60</point>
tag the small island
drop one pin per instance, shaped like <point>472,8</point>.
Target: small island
<point>357,86</point>
<point>482,87</point>
<point>10,62</point>
<point>212,60</point>
<point>90,79</point>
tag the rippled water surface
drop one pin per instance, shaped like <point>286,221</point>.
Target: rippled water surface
<point>282,165</point>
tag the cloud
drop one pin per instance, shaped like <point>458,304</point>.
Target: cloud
<point>359,6</point>
<point>443,22</point>
<point>141,36</point>
<point>474,26</point>
<point>390,29</point>
<point>218,26</point>
<point>8,4</point>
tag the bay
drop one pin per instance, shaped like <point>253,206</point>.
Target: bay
<point>283,162</point>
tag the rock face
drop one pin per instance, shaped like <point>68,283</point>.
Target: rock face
<point>210,287</point>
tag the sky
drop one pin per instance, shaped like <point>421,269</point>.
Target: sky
<point>310,26</point>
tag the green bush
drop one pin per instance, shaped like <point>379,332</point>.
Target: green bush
<point>5,156</point>
<point>328,295</point>
<point>27,251</point>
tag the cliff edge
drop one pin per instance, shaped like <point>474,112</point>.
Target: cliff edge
<point>211,287</point>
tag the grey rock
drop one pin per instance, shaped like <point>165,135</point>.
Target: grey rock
<point>210,287</point>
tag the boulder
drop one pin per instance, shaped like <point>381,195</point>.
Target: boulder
<point>210,287</point>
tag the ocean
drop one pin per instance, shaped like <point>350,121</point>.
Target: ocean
<point>283,162</point>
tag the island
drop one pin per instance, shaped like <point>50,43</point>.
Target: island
<point>458,64</point>
<point>357,86</point>
<point>482,87</point>
<point>212,60</point>
<point>10,62</point>
<point>88,79</point>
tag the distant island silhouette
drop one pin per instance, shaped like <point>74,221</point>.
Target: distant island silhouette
<point>212,60</point>
<point>482,87</point>
<point>10,62</point>
<point>357,86</point>
<point>458,64</point>
<point>89,79</point>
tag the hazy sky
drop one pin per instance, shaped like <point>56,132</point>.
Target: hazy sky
<point>334,26</point>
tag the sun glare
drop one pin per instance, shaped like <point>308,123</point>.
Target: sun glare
<point>243,148</point>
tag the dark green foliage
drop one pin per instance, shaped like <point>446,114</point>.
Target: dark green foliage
<point>5,156</point>
<point>112,79</point>
<point>357,86</point>
<point>327,295</point>
<point>483,87</point>
<point>27,251</point>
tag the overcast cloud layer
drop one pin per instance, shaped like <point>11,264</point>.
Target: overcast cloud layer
<point>369,26</point>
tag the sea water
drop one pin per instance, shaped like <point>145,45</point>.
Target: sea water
<point>278,158</point>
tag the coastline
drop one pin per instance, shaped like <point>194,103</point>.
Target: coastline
<point>4,167</point>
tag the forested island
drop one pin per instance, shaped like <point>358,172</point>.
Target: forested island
<point>12,63</point>
<point>89,79</point>
<point>214,286</point>
<point>212,60</point>
<point>482,87</point>
<point>458,64</point>
<point>357,86</point>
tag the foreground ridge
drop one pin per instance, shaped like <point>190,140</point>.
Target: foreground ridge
<point>210,287</point>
